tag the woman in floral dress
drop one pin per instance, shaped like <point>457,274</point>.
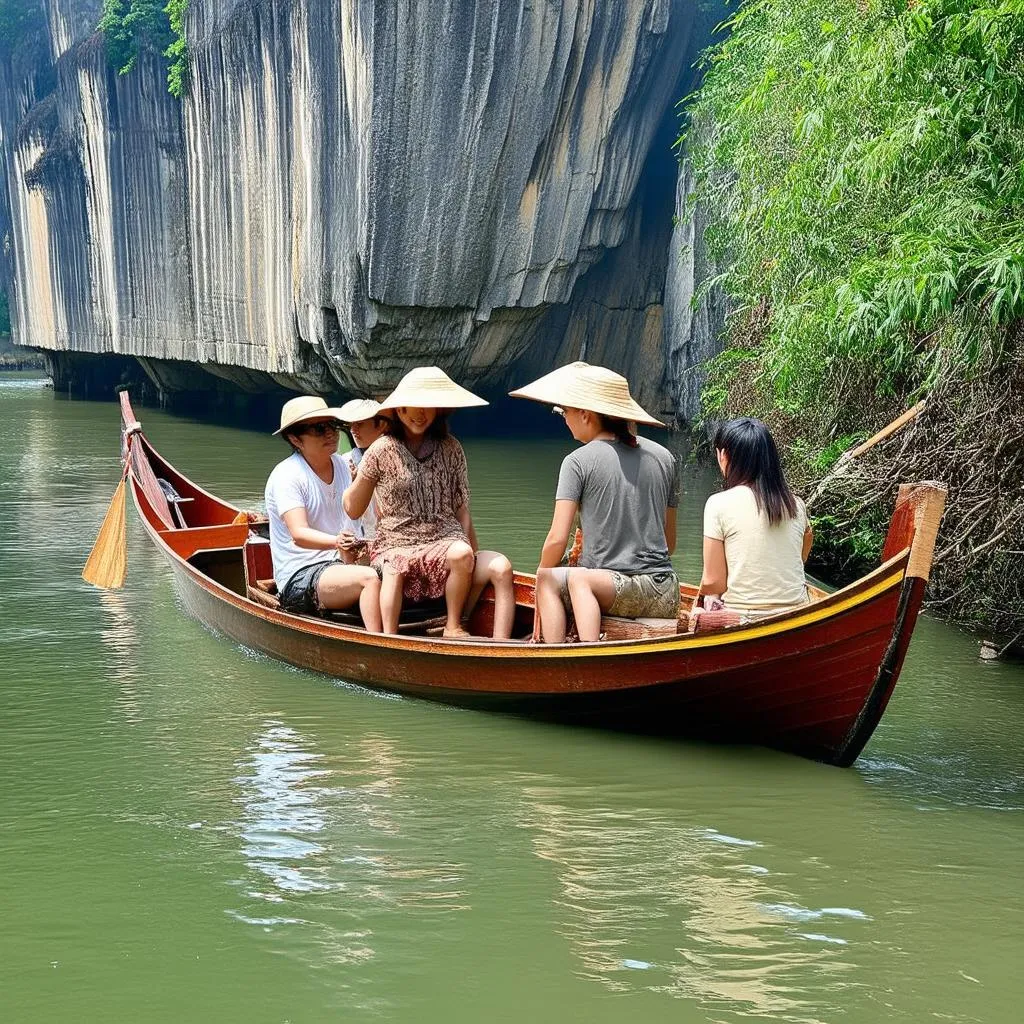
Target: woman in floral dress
<point>425,546</point>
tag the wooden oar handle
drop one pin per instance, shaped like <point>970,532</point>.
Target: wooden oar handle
<point>900,421</point>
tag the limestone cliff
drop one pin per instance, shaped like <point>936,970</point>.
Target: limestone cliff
<point>351,188</point>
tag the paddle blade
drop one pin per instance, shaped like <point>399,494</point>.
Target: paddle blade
<point>108,560</point>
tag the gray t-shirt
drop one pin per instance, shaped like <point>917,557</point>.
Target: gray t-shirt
<point>622,493</point>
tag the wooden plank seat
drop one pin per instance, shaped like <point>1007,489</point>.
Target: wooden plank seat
<point>614,627</point>
<point>264,593</point>
<point>414,618</point>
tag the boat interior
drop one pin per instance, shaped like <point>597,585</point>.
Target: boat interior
<point>233,549</point>
<point>246,569</point>
<point>428,619</point>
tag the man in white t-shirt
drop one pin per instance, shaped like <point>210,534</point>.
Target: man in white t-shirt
<point>365,424</point>
<point>314,545</point>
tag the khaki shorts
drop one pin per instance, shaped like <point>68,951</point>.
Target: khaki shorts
<point>653,595</point>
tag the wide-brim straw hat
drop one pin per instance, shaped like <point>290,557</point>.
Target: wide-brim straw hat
<point>359,409</point>
<point>582,386</point>
<point>305,408</point>
<point>429,387</point>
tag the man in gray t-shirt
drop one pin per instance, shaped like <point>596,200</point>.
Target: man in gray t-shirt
<point>623,528</point>
<point>625,490</point>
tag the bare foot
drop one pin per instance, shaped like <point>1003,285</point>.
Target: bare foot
<point>457,634</point>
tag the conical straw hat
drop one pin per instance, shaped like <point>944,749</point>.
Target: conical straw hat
<point>358,409</point>
<point>582,386</point>
<point>428,387</point>
<point>303,408</point>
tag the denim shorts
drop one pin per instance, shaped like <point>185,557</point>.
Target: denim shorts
<point>299,594</point>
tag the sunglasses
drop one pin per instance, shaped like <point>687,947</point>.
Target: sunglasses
<point>322,429</point>
<point>558,411</point>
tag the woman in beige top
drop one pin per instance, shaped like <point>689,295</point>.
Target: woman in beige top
<point>756,532</point>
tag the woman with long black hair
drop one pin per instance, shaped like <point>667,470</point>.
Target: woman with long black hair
<point>756,532</point>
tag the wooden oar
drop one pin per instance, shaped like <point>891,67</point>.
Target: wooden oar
<point>847,457</point>
<point>107,564</point>
<point>897,424</point>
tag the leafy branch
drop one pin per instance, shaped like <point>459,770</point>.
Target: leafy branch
<point>134,26</point>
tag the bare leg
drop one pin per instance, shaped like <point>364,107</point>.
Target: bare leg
<point>504,597</point>
<point>549,604</point>
<point>391,599</point>
<point>480,578</point>
<point>342,586</point>
<point>592,592</point>
<point>369,607</point>
<point>460,575</point>
<point>494,568</point>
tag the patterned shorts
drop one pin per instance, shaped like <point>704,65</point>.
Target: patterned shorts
<point>653,595</point>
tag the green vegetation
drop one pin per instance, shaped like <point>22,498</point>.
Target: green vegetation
<point>132,26</point>
<point>5,315</point>
<point>863,166</point>
<point>177,51</point>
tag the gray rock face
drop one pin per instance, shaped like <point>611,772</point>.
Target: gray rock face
<point>350,189</point>
<point>693,326</point>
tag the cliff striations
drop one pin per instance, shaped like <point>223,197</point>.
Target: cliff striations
<point>351,188</point>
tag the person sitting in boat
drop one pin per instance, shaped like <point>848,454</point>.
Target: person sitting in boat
<point>756,532</point>
<point>313,543</point>
<point>365,424</point>
<point>426,545</point>
<point>625,489</point>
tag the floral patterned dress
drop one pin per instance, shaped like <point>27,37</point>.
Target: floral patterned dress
<point>417,498</point>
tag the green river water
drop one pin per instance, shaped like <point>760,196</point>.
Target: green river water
<point>192,832</point>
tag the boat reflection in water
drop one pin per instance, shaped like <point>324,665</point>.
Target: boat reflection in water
<point>285,811</point>
<point>121,636</point>
<point>364,848</point>
<point>285,828</point>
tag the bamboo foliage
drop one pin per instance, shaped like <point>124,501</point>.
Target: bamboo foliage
<point>861,163</point>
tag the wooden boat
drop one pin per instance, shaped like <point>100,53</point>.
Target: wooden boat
<point>814,681</point>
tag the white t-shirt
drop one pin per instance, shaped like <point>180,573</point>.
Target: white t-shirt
<point>766,572</point>
<point>367,524</point>
<point>293,484</point>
